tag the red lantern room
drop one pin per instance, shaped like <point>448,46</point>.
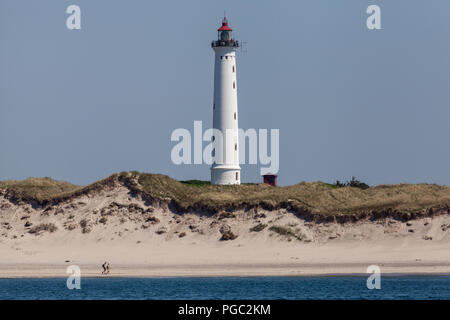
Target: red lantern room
<point>224,32</point>
<point>224,36</point>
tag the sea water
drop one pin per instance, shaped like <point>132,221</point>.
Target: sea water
<point>324,287</point>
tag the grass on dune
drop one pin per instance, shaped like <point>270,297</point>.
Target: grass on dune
<point>316,197</point>
<point>39,188</point>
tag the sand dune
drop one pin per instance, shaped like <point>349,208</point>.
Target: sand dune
<point>140,239</point>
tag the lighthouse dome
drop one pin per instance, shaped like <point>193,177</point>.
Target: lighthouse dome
<point>225,26</point>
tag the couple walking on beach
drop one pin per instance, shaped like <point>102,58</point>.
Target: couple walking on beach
<point>105,267</point>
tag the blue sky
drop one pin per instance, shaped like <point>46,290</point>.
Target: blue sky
<point>81,105</point>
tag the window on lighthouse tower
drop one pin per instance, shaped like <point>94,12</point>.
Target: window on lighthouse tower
<point>234,84</point>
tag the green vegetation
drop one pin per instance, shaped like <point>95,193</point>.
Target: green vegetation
<point>309,197</point>
<point>352,183</point>
<point>50,227</point>
<point>84,224</point>
<point>228,235</point>
<point>285,231</point>
<point>196,183</point>
<point>259,227</point>
<point>38,188</point>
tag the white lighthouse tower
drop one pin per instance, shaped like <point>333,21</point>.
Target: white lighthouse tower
<point>225,169</point>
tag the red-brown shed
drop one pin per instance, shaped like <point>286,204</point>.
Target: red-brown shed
<point>270,179</point>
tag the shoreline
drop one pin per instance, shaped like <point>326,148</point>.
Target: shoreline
<point>39,271</point>
<point>390,275</point>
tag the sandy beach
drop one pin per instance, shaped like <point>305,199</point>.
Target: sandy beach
<point>49,255</point>
<point>240,260</point>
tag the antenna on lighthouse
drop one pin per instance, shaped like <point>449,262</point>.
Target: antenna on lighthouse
<point>243,43</point>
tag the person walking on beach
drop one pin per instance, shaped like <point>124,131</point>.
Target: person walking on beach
<point>104,268</point>
<point>107,268</point>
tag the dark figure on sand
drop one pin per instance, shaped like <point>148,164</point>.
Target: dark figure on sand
<point>105,267</point>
